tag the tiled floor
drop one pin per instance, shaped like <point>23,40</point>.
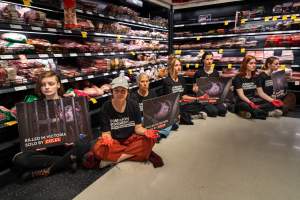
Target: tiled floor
<point>217,159</point>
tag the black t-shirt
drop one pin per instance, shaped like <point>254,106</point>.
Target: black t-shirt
<point>139,99</point>
<point>201,73</point>
<point>247,84</point>
<point>265,82</point>
<point>170,86</point>
<point>121,125</point>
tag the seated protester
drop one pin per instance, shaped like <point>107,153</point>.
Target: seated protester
<point>208,70</point>
<point>123,136</point>
<point>175,83</point>
<point>43,162</point>
<point>143,93</point>
<point>245,86</point>
<point>265,87</point>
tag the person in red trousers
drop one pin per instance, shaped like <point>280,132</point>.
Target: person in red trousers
<point>123,136</point>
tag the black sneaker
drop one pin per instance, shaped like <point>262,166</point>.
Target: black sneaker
<point>174,127</point>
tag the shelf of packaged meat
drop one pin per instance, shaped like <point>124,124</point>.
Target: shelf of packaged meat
<point>59,55</point>
<point>44,30</point>
<point>28,86</point>
<point>222,50</point>
<point>205,23</point>
<point>238,34</point>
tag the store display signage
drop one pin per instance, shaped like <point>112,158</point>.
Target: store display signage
<point>161,112</point>
<point>49,123</point>
<point>90,76</point>
<point>19,88</point>
<point>26,2</point>
<point>280,84</point>
<point>78,78</point>
<point>15,26</point>
<point>35,28</point>
<point>52,29</point>
<point>84,34</point>
<point>58,55</point>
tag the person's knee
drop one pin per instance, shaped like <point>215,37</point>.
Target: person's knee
<point>21,160</point>
<point>212,111</point>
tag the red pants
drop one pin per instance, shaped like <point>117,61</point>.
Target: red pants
<point>137,145</point>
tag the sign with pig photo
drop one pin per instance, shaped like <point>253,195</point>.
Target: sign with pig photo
<point>161,112</point>
<point>48,123</point>
<point>279,84</point>
<point>216,89</point>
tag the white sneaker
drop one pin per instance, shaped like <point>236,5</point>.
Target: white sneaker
<point>105,163</point>
<point>202,115</point>
<point>275,113</point>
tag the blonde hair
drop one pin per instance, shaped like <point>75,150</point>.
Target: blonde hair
<point>171,65</point>
<point>48,74</point>
<point>268,62</point>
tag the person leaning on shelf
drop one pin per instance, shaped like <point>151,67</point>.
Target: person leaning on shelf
<point>209,71</point>
<point>245,87</point>
<point>123,136</point>
<point>46,161</point>
<point>175,83</point>
<point>266,92</point>
<point>143,93</point>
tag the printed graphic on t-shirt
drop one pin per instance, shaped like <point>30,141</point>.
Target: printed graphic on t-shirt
<point>268,83</point>
<point>177,89</point>
<point>248,86</point>
<point>124,122</point>
<point>141,106</point>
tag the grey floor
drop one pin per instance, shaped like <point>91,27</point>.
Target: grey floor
<point>217,159</point>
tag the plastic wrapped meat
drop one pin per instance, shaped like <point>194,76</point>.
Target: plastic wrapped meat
<point>53,23</point>
<point>33,17</point>
<point>86,24</point>
<point>9,12</point>
<point>40,45</point>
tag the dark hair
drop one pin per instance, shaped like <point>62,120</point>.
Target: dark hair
<point>243,68</point>
<point>269,61</point>
<point>48,74</point>
<point>206,53</point>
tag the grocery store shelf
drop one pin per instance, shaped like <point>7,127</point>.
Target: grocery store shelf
<point>79,78</point>
<point>238,34</point>
<point>56,31</point>
<point>203,23</point>
<point>271,18</point>
<point>178,52</point>
<point>66,55</point>
<point>123,21</point>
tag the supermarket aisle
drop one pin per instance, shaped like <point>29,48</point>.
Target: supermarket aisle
<point>223,158</point>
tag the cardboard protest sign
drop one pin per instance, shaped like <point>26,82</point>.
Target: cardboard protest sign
<point>217,88</point>
<point>280,84</point>
<point>161,112</point>
<point>46,123</point>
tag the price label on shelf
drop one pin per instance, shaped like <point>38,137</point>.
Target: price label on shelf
<point>4,57</point>
<point>93,100</point>
<point>43,55</point>
<point>78,78</point>
<point>73,54</point>
<point>51,29</point>
<point>26,2</point>
<point>90,76</point>
<point>57,55</point>
<point>226,22</point>
<point>14,26</point>
<point>89,12</point>
<point>130,71</point>
<point>297,82</point>
<point>118,38</point>
<point>35,28</point>
<point>19,88</point>
<point>197,66</point>
<point>106,74</point>
<point>10,123</point>
<point>213,65</point>
<point>229,66</point>
<point>267,19</point>
<point>100,54</point>
<point>64,80</point>
<point>201,51</point>
<point>243,21</point>
<point>114,72</point>
<point>221,51</point>
<point>198,38</point>
<point>243,50</point>
<point>80,11</point>
<point>132,53</point>
<point>87,54</point>
<point>187,65</point>
<point>84,34</point>
<point>282,67</point>
<point>112,53</point>
<point>275,18</point>
<point>177,52</point>
<point>293,17</point>
<point>284,17</point>
<point>67,31</point>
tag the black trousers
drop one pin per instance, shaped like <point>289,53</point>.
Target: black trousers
<point>213,110</point>
<point>256,113</point>
<point>58,158</point>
